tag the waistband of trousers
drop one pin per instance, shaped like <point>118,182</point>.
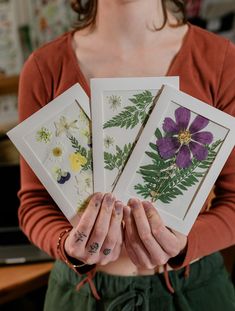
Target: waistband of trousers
<point>162,269</point>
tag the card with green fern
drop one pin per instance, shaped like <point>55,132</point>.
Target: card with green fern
<point>178,157</point>
<point>120,109</point>
<point>56,143</point>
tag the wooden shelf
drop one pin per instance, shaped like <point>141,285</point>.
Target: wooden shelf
<point>16,281</point>
<point>9,84</point>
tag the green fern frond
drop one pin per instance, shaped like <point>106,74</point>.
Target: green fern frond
<point>164,181</point>
<point>118,159</point>
<point>132,115</point>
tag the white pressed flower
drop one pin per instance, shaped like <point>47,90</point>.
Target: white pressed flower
<point>64,126</point>
<point>108,141</point>
<point>56,152</point>
<point>43,135</point>
<point>114,101</point>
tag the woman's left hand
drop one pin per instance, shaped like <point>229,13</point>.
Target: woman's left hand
<point>148,241</point>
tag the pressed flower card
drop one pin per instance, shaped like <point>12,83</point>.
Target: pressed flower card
<point>178,157</point>
<point>55,142</point>
<point>120,108</point>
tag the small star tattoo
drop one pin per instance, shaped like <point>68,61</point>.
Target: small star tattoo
<point>80,236</point>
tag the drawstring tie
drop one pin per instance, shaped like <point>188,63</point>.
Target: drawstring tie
<point>167,279</point>
<point>187,271</point>
<point>178,296</point>
<point>88,279</point>
<point>131,300</point>
<point>135,298</point>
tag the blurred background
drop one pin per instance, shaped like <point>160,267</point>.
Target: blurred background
<point>24,26</point>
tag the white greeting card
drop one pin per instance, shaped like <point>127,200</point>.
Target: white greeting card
<point>120,108</point>
<point>56,143</point>
<point>178,157</point>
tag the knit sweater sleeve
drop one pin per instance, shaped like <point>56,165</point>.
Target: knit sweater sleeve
<point>39,217</point>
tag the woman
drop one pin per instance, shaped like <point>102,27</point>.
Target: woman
<point>123,257</point>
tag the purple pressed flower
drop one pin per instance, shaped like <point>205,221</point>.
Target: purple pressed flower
<point>183,140</point>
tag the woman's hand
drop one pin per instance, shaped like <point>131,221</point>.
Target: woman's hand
<point>148,242</point>
<point>97,238</point>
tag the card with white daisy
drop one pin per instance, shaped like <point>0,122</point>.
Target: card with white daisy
<point>179,155</point>
<point>120,107</point>
<point>56,143</point>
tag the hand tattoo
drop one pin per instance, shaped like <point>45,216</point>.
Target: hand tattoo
<point>79,236</point>
<point>93,248</point>
<point>107,251</point>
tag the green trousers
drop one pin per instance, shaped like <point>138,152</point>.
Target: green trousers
<point>207,288</point>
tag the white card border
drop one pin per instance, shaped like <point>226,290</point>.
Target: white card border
<point>170,94</point>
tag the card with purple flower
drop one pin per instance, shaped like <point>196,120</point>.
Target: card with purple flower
<point>120,108</point>
<point>179,154</point>
<point>56,143</point>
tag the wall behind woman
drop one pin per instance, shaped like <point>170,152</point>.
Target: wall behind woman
<point>214,15</point>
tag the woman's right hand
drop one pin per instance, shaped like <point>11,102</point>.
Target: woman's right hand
<point>98,236</point>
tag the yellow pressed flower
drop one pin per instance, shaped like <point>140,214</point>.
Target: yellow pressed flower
<point>76,161</point>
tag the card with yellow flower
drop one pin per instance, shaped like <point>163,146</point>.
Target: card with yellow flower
<point>56,143</point>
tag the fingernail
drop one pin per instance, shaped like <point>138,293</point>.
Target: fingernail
<point>134,203</point>
<point>147,205</point>
<point>118,207</point>
<point>109,199</point>
<point>98,199</point>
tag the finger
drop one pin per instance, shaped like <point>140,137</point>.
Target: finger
<point>161,233</point>
<point>101,227</point>
<point>118,246</point>
<point>131,253</point>
<point>79,234</point>
<point>157,254</point>
<point>113,236</point>
<point>115,253</point>
<point>135,244</point>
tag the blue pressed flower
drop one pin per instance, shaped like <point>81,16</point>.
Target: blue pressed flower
<point>183,140</point>
<point>62,176</point>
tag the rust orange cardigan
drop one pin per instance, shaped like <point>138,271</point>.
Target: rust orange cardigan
<point>206,66</point>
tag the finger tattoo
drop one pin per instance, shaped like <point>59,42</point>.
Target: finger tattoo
<point>93,248</point>
<point>107,251</point>
<point>80,236</point>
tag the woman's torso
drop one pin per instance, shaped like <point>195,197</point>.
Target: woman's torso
<point>198,77</point>
<point>97,59</point>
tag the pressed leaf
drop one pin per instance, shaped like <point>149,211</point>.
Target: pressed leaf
<point>149,173</point>
<point>152,155</point>
<point>181,186</point>
<point>150,179</point>
<point>153,146</point>
<point>132,115</point>
<point>149,167</point>
<point>158,133</point>
<point>118,159</point>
